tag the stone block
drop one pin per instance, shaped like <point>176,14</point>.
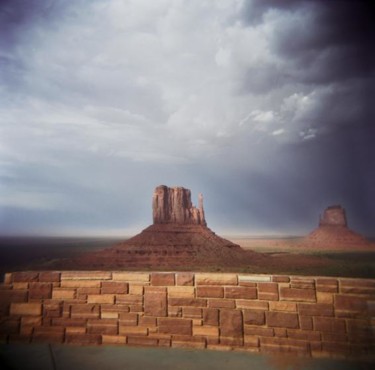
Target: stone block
<point>210,292</point>
<point>251,341</point>
<point>231,324</point>
<point>283,345</point>
<point>135,289</point>
<point>109,315</point>
<point>67,322</point>
<point>129,319</point>
<point>351,304</point>
<point>191,302</point>
<point>114,287</point>
<point>102,326</point>
<point>155,304</point>
<point>175,326</point>
<point>101,298</point>
<point>86,275</point>
<point>307,335</point>
<point>327,324</point>
<point>163,278</point>
<point>48,334</point>
<point>192,312</point>
<point>114,308</point>
<point>283,306</point>
<point>280,332</point>
<point>305,322</point>
<point>139,277</point>
<point>282,319</point>
<point>25,276</point>
<point>302,282</point>
<point>52,309</point>
<point>326,285</point>
<point>9,326</point>
<point>83,339</point>
<point>251,304</point>
<point>80,284</point>
<point>221,303</point>
<point>16,286</point>
<point>185,278</point>
<point>62,294</point>
<point>113,339</point>
<point>75,330</point>
<point>181,292</point>
<point>13,296</point>
<point>240,292</point>
<point>26,309</point>
<point>254,317</point>
<point>210,316</point>
<point>49,276</point>
<point>147,321</point>
<point>254,278</point>
<point>129,299</point>
<point>324,297</point>
<point>133,330</point>
<point>281,279</point>
<point>85,311</point>
<point>142,341</point>
<point>315,309</point>
<point>299,295</point>
<point>206,331</point>
<point>215,279</point>
<point>40,290</point>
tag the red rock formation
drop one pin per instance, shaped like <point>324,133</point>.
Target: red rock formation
<point>173,205</point>
<point>333,232</point>
<point>179,237</point>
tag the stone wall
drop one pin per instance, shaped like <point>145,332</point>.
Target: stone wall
<point>313,316</point>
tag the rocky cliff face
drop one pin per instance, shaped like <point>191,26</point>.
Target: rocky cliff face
<point>173,205</point>
<point>333,216</point>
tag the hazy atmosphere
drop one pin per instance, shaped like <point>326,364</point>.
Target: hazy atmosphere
<point>264,106</point>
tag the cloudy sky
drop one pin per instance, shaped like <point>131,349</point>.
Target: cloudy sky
<point>264,106</point>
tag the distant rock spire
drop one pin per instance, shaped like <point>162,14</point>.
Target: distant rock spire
<point>173,205</point>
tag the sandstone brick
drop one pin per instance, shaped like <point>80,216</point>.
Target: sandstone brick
<point>80,284</point>
<point>185,278</point>
<point>302,283</point>
<point>210,292</point>
<point>268,291</point>
<point>336,348</point>
<point>136,308</point>
<point>254,317</point>
<point>49,276</point>
<point>230,341</point>
<point>22,285</point>
<point>175,326</point>
<point>101,298</point>
<point>327,324</point>
<point>60,293</point>
<point>210,316</point>
<point>155,304</point>
<point>102,326</point>
<point>114,308</point>
<point>142,341</point>
<point>305,322</point>
<point>15,338</point>
<point>83,339</point>
<point>251,341</point>
<point>140,277</point>
<point>86,275</point>
<point>67,322</point>
<point>163,278</point>
<point>26,309</point>
<point>188,344</point>
<point>109,315</point>
<point>40,290</point>
<point>181,292</point>
<point>280,332</point>
<point>48,334</point>
<point>75,330</point>
<point>174,311</point>
<point>84,292</point>
<point>280,279</point>
<point>23,276</point>
<point>52,309</point>
<point>254,278</point>
<point>301,295</point>
<point>206,331</point>
<point>219,347</point>
<point>129,299</point>
<point>135,289</point>
<point>129,319</point>
<point>231,324</point>
<point>85,311</point>
<point>324,297</point>
<point>251,304</point>
<point>215,279</point>
<point>307,335</point>
<point>193,302</point>
<point>351,304</point>
<point>333,337</point>
<point>192,312</point>
<point>147,321</point>
<point>326,285</point>
<point>282,319</point>
<point>283,306</point>
<point>113,339</point>
<point>133,330</point>
<point>221,303</point>
<point>240,292</point>
<point>315,309</point>
<point>283,345</point>
<point>155,290</point>
<point>13,296</point>
<point>8,278</point>
<point>31,321</point>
